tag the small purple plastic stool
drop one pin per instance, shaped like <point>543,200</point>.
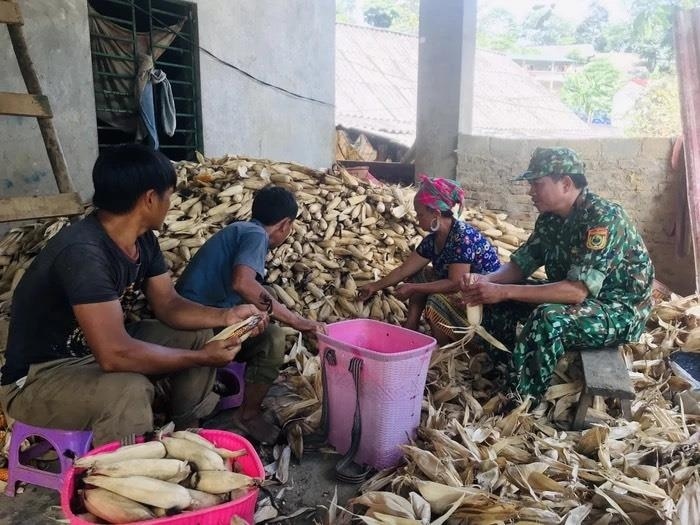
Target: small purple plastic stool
<point>233,376</point>
<point>66,443</point>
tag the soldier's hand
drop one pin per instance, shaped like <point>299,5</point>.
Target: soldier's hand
<point>482,292</point>
<point>221,352</point>
<point>469,279</point>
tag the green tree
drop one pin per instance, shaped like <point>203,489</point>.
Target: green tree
<point>542,27</point>
<point>652,30</point>
<point>591,89</point>
<point>343,10</point>
<point>657,112</point>
<point>398,15</point>
<point>380,16</point>
<point>592,29</point>
<point>496,29</point>
<point>616,37</point>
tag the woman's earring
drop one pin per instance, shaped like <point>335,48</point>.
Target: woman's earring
<point>434,224</point>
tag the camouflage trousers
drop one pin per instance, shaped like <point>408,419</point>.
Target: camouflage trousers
<point>548,331</point>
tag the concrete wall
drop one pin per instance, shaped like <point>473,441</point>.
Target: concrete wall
<point>290,44</point>
<point>59,44</point>
<point>631,172</point>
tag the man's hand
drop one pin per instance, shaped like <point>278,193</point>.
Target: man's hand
<point>405,291</point>
<point>476,289</point>
<point>221,352</point>
<point>241,312</point>
<point>310,327</point>
<point>366,291</point>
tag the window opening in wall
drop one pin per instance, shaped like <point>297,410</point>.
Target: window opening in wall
<point>125,35</point>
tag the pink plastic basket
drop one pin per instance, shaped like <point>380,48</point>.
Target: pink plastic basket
<point>395,365</point>
<point>219,515</point>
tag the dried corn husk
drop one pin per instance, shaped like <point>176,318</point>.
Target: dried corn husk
<point>526,465</point>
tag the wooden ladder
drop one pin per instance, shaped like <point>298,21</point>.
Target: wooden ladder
<point>34,104</point>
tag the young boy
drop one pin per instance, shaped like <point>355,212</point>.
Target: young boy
<point>228,270</point>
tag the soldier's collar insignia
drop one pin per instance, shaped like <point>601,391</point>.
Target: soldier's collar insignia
<point>597,238</point>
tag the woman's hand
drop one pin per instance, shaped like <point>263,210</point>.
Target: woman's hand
<point>405,291</point>
<point>366,291</point>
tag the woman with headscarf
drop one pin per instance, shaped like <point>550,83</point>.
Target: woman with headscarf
<point>454,248</point>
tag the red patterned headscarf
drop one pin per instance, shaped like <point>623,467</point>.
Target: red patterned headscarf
<point>439,194</point>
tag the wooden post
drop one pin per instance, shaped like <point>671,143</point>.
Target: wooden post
<point>48,132</point>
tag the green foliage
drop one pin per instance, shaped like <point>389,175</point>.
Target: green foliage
<point>343,10</point>
<point>542,28</point>
<point>616,38</point>
<point>657,112</point>
<point>652,30</point>
<point>591,89</point>
<point>397,15</point>
<point>592,29</point>
<point>380,17</point>
<point>576,56</point>
<point>496,29</point>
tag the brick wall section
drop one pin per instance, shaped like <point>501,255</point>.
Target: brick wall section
<point>631,172</point>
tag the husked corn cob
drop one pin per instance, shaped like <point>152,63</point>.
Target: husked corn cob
<point>142,489</point>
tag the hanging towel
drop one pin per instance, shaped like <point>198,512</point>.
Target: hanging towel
<point>168,120</point>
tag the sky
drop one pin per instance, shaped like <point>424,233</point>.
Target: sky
<point>573,10</point>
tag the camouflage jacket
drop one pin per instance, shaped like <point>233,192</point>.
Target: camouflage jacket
<point>598,245</point>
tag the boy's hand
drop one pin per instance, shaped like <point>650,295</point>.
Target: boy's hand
<point>310,327</point>
<point>244,311</point>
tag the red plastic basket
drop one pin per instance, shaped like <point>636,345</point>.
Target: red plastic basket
<point>218,515</point>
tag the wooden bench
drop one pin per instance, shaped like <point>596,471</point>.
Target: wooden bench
<point>606,375</point>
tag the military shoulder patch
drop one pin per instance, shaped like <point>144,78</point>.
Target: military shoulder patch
<point>597,238</point>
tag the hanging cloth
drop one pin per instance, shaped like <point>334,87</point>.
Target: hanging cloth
<point>147,80</point>
<point>168,120</point>
<point>117,110</point>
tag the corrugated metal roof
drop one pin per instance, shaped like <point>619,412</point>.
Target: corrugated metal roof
<point>376,89</point>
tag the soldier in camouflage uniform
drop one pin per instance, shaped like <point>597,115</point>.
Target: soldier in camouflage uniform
<point>598,291</point>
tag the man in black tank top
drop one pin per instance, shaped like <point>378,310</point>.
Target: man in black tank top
<point>71,361</point>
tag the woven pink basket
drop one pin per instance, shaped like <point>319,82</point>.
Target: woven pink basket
<point>218,515</point>
<point>394,368</point>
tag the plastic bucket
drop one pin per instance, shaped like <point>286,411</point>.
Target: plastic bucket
<point>392,380</point>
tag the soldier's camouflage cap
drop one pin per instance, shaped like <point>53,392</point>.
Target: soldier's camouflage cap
<point>553,161</point>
